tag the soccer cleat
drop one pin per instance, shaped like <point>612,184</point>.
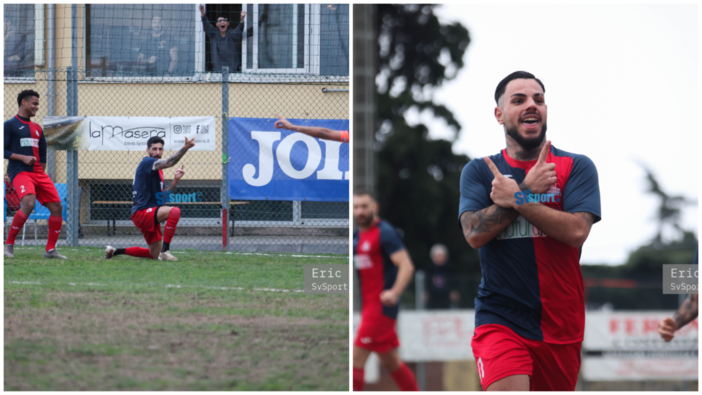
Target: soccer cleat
<point>110,252</point>
<point>9,250</point>
<point>53,254</point>
<point>166,256</point>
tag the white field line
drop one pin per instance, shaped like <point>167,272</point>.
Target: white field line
<point>167,286</point>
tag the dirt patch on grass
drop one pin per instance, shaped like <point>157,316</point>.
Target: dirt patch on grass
<point>101,341</point>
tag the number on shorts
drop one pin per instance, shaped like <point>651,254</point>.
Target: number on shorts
<point>481,369</point>
<point>22,188</point>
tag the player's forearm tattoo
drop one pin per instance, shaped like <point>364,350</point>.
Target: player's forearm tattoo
<point>486,220</point>
<point>589,218</point>
<point>687,311</point>
<point>170,162</point>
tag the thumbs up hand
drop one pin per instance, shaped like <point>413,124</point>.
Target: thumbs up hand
<point>543,175</point>
<point>503,188</point>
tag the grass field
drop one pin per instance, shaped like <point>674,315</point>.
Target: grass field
<point>211,321</point>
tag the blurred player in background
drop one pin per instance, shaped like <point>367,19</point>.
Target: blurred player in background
<point>530,310</point>
<point>384,269</point>
<point>441,281</point>
<point>147,214</point>
<point>314,131</point>
<point>685,314</point>
<point>25,148</point>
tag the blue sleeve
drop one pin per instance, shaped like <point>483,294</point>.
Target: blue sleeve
<point>237,31</point>
<point>582,190</point>
<point>42,148</point>
<point>8,141</point>
<point>474,195</point>
<point>390,241</point>
<point>147,165</point>
<point>207,26</point>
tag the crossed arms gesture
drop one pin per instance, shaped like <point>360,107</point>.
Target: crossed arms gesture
<point>480,227</point>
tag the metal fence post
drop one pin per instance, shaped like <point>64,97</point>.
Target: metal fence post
<point>419,300</point>
<point>73,208</point>
<point>225,154</point>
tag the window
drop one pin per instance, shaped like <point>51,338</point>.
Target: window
<point>140,40</point>
<point>19,40</point>
<point>170,40</point>
<point>297,38</point>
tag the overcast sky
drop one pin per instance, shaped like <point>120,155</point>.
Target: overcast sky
<point>621,87</point>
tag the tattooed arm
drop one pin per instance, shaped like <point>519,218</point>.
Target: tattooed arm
<point>569,228</point>
<point>170,162</point>
<point>686,312</point>
<point>479,227</point>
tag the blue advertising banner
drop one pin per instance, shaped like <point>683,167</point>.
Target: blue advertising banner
<point>266,163</point>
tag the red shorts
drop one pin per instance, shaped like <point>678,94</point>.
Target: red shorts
<point>37,184</point>
<point>147,223</point>
<point>499,353</point>
<point>377,334</point>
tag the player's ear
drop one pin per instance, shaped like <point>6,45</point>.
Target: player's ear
<point>499,115</point>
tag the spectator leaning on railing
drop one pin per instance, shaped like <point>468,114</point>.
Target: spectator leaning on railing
<point>225,44</point>
<point>158,51</point>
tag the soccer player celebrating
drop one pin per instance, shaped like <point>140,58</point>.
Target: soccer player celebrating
<point>25,147</point>
<point>529,209</point>
<point>384,269</point>
<point>147,215</point>
<point>685,314</point>
<point>314,131</point>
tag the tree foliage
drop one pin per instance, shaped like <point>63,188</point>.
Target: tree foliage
<point>418,177</point>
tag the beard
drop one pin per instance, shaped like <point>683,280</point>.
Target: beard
<point>364,220</point>
<point>527,144</point>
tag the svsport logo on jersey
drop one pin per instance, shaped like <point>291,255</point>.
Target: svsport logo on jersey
<point>166,196</point>
<point>528,197</point>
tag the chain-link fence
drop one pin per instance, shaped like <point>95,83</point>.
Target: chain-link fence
<point>228,62</point>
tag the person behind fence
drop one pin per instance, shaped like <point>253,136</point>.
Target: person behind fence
<point>11,198</point>
<point>441,287</point>
<point>314,131</point>
<point>384,269</point>
<point>158,51</point>
<point>148,211</point>
<point>25,149</point>
<point>225,44</point>
<point>15,50</point>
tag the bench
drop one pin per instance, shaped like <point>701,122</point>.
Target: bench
<point>121,203</point>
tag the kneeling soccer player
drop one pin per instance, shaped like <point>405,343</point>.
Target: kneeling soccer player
<point>147,214</point>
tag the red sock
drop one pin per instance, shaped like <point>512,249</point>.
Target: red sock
<point>54,231</point>
<point>171,224</point>
<point>139,252</point>
<point>17,224</point>
<point>357,379</point>
<point>404,378</point>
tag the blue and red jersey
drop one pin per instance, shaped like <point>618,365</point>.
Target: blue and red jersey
<point>24,137</point>
<point>531,282</point>
<point>376,272</point>
<point>147,183</point>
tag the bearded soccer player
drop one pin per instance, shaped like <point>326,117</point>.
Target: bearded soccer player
<point>686,313</point>
<point>25,147</point>
<point>148,193</point>
<point>314,131</point>
<point>384,269</point>
<point>528,209</point>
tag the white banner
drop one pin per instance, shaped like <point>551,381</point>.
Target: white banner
<point>617,345</point>
<point>128,133</point>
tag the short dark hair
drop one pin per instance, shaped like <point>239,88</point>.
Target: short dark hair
<point>502,86</point>
<point>364,192</point>
<point>153,140</point>
<point>25,94</point>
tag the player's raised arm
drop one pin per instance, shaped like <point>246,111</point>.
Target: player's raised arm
<point>314,131</point>
<point>173,160</point>
<point>405,269</point>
